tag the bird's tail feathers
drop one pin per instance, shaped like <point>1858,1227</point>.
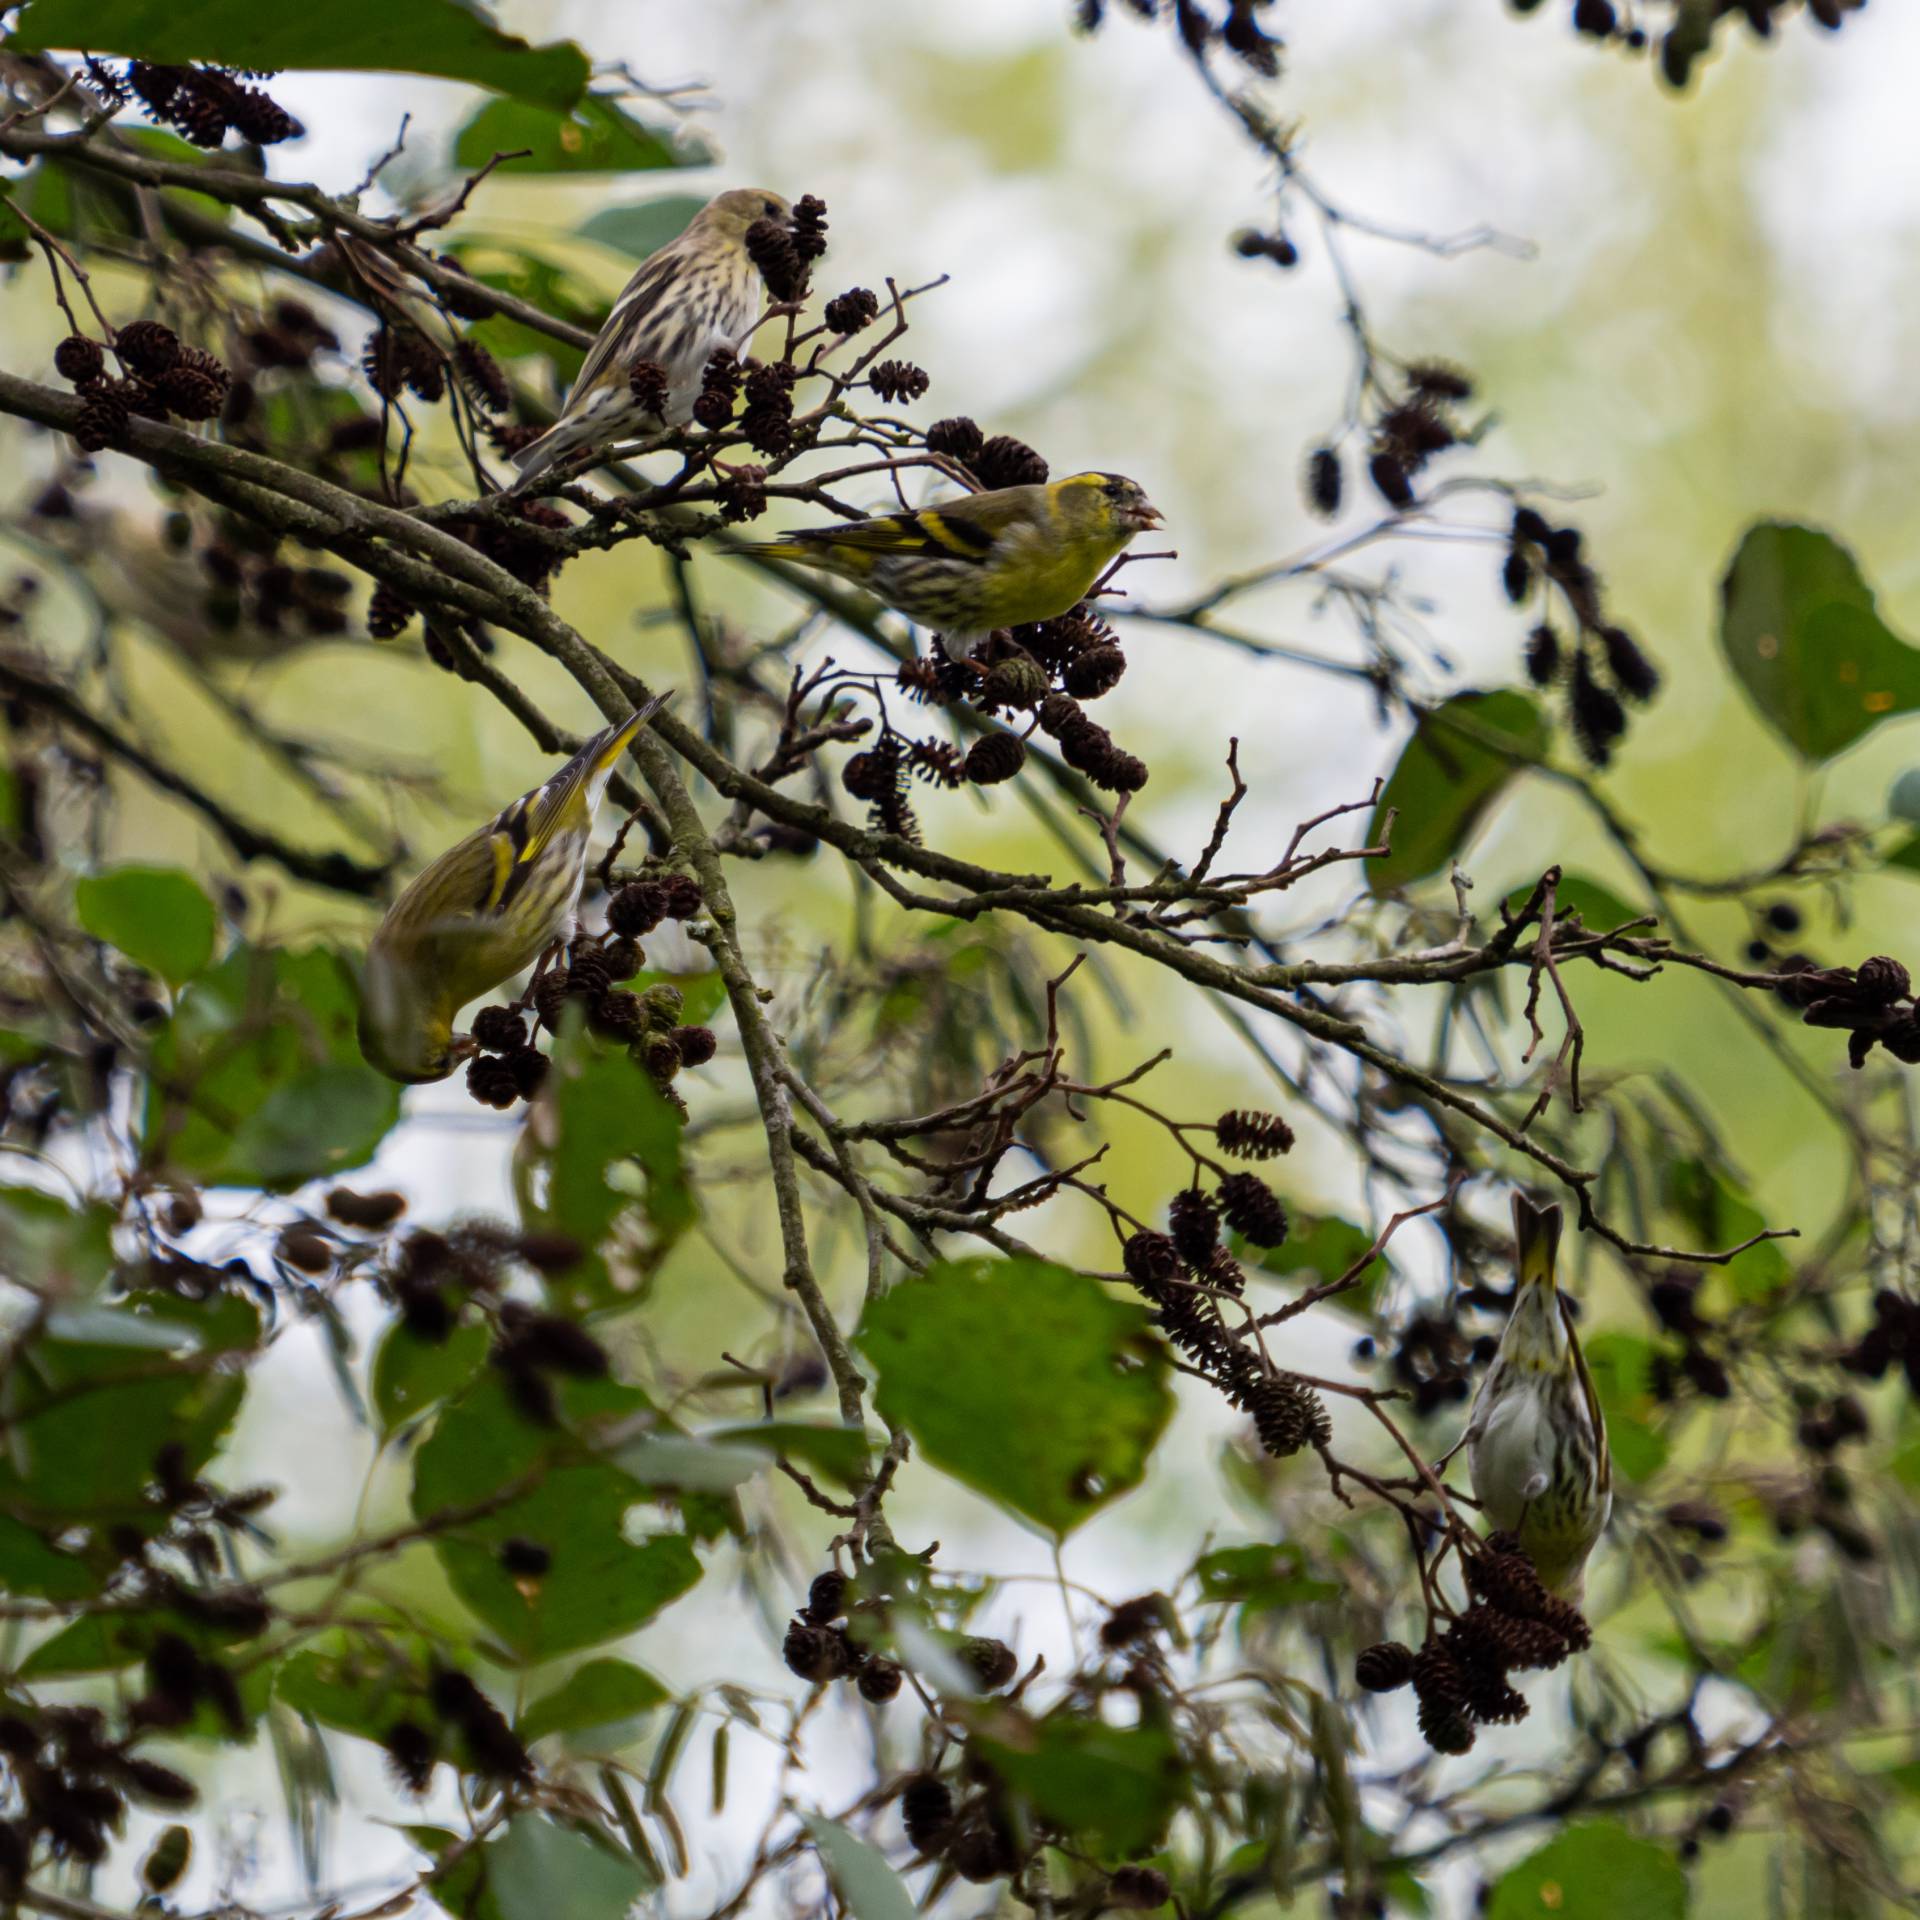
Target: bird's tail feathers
<point>1536,1234</point>
<point>613,740</point>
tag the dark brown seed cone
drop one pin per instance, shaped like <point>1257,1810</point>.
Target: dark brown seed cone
<point>1881,981</point>
<point>637,908</point>
<point>991,1662</point>
<point>1390,481</point>
<point>1224,1273</point>
<point>852,311</point>
<point>622,957</point>
<point>809,226</point>
<point>1151,1260</point>
<point>305,1252</point>
<point>410,1755</point>
<point>1193,1223</point>
<point>1508,1582</point>
<point>743,493</point>
<point>616,1013</point>
<point>995,757</point>
<point>147,348</point>
<point>695,1045</point>
<point>1445,1729</point>
<point>680,895</point>
<point>879,1681</point>
<point>647,382</point>
<point>816,1654</point>
<point>981,1848</point>
<point>104,414</point>
<point>499,1030</point>
<point>1288,1416</point>
<point>873,774</point>
<point>388,615</point>
<point>926,1811</point>
<point>1133,1620</point>
<point>1324,482</point>
<point>826,1599</point>
<point>550,997</point>
<point>1633,673</point>
<point>490,1080</point>
<point>192,393</point>
<point>958,438</point>
<point>482,376</point>
<point>770,247</point>
<point>587,972</point>
<point>1438,1676</point>
<point>1491,1700</point>
<point>1004,461</point>
<point>1522,1644</point>
<point>895,380</point>
<point>1137,1889</point>
<point>1095,672</point>
<point>1059,711</point>
<point>261,119</point>
<point>1382,1668</point>
<point>77,358</point>
<point>1249,1135</point>
<point>1018,681</point>
<point>1253,1210</point>
<point>1569,1622</point>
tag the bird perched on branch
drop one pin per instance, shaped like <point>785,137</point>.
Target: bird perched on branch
<point>985,560</point>
<point>492,904</point>
<point>698,293</point>
<point>1536,1439</point>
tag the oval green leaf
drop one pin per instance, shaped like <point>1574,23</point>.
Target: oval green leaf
<point>1033,1384</point>
<point>156,916</point>
<point>1799,628</point>
<point>1451,770</point>
<point>592,135</point>
<point>1595,1871</point>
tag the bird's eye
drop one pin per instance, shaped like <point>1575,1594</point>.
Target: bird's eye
<point>772,211</point>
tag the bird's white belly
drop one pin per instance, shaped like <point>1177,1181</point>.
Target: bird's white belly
<point>1511,1459</point>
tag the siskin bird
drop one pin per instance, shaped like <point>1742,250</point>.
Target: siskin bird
<point>490,905</point>
<point>698,293</point>
<point>1536,1439</point>
<point>985,560</point>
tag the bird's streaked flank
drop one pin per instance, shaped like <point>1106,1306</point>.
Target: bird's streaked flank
<point>1536,1439</point>
<point>492,904</point>
<point>985,560</point>
<point>698,293</point>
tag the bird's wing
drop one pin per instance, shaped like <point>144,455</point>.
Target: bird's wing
<point>523,831</point>
<point>1592,1398</point>
<point>638,300</point>
<point>931,532</point>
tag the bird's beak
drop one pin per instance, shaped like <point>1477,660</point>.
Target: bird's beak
<point>1146,515</point>
<point>1536,1239</point>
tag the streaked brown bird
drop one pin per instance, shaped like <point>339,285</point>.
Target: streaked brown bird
<point>698,293</point>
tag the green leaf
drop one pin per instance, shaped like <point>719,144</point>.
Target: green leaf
<point>31,1563</point>
<point>702,995</point>
<point>1053,1423</point>
<point>1262,1577</point>
<point>642,228</point>
<point>538,1867</point>
<point>86,1419</point>
<point>594,1695</point>
<point>66,1252</point>
<point>1720,1215</point>
<point>1600,908</point>
<point>594,134</point>
<point>257,1079</point>
<point>1622,1368</point>
<point>156,916</point>
<point>445,38</point>
<point>601,1583</point>
<point>841,1453</point>
<point>1114,1788</point>
<point>410,1374</point>
<point>1324,1249</point>
<point>607,1112</point>
<point>352,1684</point>
<point>1451,770</point>
<point>869,1889</point>
<point>1595,1871</point>
<point>1799,627</point>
